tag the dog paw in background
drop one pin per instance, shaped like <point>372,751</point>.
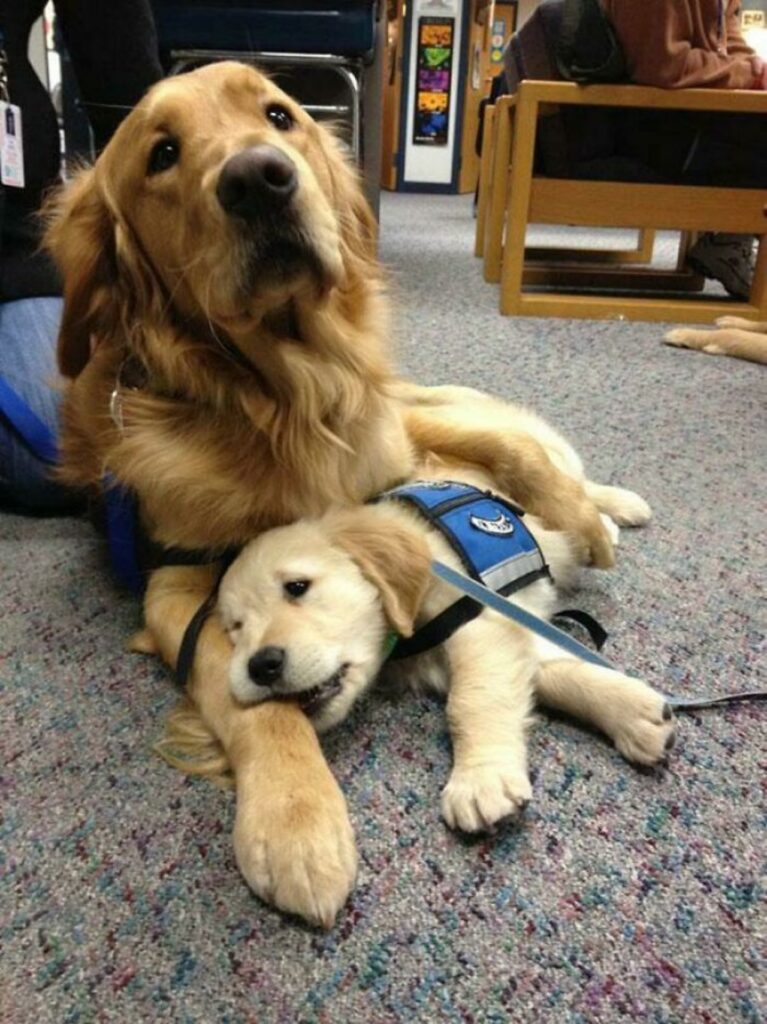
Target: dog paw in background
<point>733,336</point>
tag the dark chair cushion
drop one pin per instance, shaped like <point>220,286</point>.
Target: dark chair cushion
<point>345,28</point>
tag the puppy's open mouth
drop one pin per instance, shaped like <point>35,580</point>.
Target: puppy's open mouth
<point>313,700</point>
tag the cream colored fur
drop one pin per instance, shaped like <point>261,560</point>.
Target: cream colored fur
<point>734,336</point>
<point>367,569</point>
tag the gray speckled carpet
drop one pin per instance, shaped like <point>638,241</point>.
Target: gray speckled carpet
<point>624,895</point>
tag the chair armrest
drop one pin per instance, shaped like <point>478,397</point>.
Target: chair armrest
<point>735,101</point>
<point>506,101</point>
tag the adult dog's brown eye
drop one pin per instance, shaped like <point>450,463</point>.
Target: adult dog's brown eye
<point>281,118</point>
<point>164,155</point>
<point>296,588</point>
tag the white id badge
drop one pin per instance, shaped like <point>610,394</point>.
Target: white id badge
<point>11,145</point>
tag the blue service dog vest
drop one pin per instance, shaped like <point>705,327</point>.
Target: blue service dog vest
<point>485,530</point>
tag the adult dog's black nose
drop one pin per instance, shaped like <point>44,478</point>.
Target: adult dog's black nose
<point>256,181</point>
<point>265,666</point>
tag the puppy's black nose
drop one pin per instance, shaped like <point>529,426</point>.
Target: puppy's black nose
<point>266,665</point>
<point>256,181</point>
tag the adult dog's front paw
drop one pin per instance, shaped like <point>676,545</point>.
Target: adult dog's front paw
<point>296,847</point>
<point>478,798</point>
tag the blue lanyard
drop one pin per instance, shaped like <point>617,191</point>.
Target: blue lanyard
<point>556,636</point>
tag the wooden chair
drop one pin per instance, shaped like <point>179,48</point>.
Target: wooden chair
<point>491,213</point>
<point>512,197</point>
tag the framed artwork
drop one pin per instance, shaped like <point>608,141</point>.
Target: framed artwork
<point>434,69</point>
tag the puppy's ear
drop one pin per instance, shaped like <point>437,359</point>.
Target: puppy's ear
<point>80,236</point>
<point>392,555</point>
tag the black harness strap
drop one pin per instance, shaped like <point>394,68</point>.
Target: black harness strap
<point>438,630</point>
<point>596,630</point>
<point>442,626</point>
<point>191,636</point>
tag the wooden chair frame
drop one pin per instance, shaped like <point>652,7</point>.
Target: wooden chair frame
<point>488,242</point>
<point>514,198</point>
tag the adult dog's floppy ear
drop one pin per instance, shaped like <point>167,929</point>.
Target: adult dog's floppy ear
<point>391,555</point>
<point>359,228</point>
<point>80,236</point>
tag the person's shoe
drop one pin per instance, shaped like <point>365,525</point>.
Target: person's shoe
<point>726,258</point>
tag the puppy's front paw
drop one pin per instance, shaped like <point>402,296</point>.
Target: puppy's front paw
<point>642,724</point>
<point>296,848</point>
<point>475,799</point>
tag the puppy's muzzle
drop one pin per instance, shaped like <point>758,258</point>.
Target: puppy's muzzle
<point>266,666</point>
<point>256,182</point>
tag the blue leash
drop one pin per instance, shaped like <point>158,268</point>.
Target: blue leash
<point>37,436</point>
<point>487,597</point>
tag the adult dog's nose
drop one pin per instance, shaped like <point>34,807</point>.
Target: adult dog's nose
<point>265,666</point>
<point>256,181</point>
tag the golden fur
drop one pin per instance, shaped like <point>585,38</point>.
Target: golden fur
<point>733,336</point>
<point>264,393</point>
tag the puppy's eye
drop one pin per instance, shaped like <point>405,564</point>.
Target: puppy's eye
<point>164,155</point>
<point>296,588</point>
<point>280,117</point>
<point>235,626</point>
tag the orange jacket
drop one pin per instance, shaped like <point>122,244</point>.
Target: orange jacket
<point>677,44</point>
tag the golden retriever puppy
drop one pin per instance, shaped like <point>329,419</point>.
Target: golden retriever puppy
<point>309,609</point>
<point>734,336</point>
<point>224,333</point>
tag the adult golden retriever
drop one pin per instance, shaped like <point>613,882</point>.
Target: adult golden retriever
<point>224,330</point>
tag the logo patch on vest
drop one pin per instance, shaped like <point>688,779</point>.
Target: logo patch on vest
<point>502,525</point>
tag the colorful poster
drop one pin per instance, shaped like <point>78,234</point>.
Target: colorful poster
<point>434,68</point>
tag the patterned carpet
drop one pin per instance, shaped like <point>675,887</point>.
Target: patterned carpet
<point>625,895</point>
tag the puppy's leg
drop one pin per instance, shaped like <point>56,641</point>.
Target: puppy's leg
<point>523,470</point>
<point>626,508</point>
<point>725,342</point>
<point>292,837</point>
<point>488,706</point>
<point>635,717</point>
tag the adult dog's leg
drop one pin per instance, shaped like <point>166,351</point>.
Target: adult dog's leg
<point>635,717</point>
<point>523,470</point>
<point>727,341</point>
<point>488,705</point>
<point>292,837</point>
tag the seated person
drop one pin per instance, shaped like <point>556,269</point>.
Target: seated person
<point>114,52</point>
<point>677,44</point>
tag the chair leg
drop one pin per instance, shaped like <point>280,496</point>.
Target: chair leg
<point>758,297</point>
<point>519,184</point>
<point>485,179</point>
<point>645,246</point>
<point>687,240</point>
<point>499,195</point>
